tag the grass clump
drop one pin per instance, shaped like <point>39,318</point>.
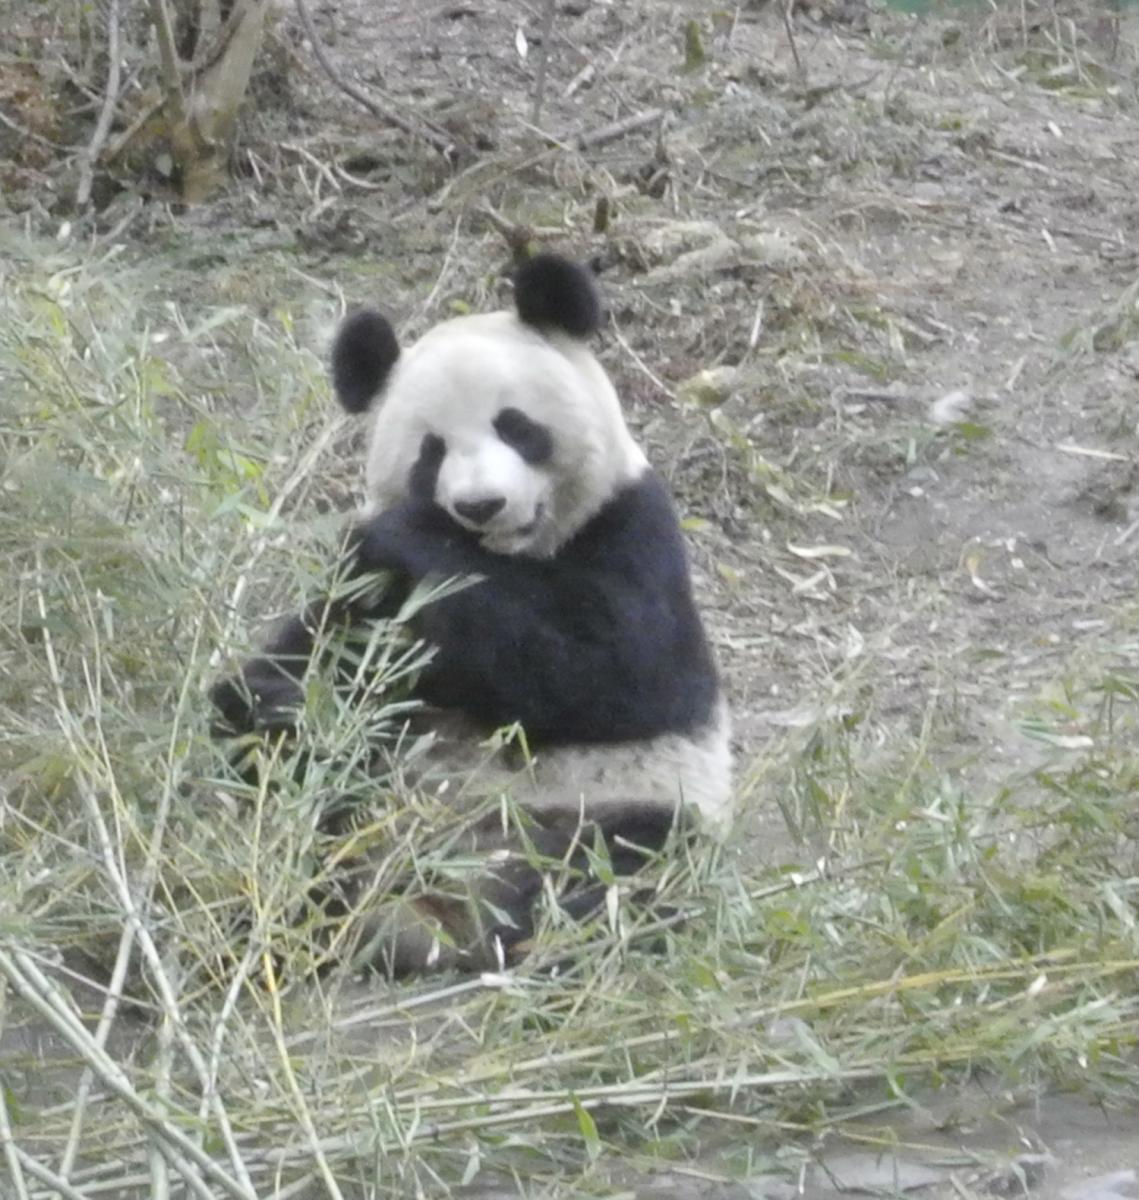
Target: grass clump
<point>164,472</point>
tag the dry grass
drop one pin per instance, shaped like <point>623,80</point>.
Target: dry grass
<point>172,474</point>
<point>149,1052</point>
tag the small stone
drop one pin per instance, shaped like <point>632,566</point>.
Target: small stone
<point>709,387</point>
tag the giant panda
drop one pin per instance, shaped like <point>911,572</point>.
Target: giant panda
<point>498,455</point>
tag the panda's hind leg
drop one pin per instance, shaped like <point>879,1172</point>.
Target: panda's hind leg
<point>478,909</point>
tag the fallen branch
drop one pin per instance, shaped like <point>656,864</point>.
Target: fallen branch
<point>518,236</point>
<point>121,143</point>
<point>106,111</point>
<point>24,132</point>
<point>788,9</point>
<point>615,129</point>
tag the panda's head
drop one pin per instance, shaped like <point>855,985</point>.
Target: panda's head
<point>506,421</point>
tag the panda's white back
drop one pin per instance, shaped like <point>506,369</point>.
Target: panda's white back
<point>692,771</point>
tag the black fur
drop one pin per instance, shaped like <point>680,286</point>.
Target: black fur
<point>553,293</point>
<point>363,353</point>
<point>489,917</point>
<point>531,439</point>
<point>267,696</point>
<point>599,644</point>
<point>424,472</point>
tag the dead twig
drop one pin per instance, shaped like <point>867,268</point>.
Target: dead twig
<point>118,146</point>
<point>367,185</point>
<point>813,95</point>
<point>615,129</point>
<point>788,9</point>
<point>420,128</point>
<point>322,168</point>
<point>590,71</point>
<point>30,134</point>
<point>517,236</point>
<point>638,361</point>
<point>106,110</point>
<point>495,171</point>
<point>168,52</point>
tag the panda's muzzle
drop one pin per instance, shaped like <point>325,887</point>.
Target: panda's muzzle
<point>479,512</point>
<point>515,540</point>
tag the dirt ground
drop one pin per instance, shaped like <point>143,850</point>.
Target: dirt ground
<point>875,301</point>
<point>910,271</point>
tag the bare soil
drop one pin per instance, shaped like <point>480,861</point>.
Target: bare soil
<point>930,206</point>
<point>875,315</point>
<point>910,270</point>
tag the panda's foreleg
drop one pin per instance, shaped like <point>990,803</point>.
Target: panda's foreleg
<point>267,695</point>
<point>571,651</point>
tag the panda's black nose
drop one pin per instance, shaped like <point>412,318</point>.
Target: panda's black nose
<point>478,512</point>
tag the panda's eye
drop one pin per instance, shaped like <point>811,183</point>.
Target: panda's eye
<point>425,473</point>
<point>533,442</point>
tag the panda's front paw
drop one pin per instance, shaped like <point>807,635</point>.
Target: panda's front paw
<point>262,699</point>
<point>411,539</point>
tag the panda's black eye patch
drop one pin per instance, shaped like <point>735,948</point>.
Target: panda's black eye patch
<point>425,473</point>
<point>533,441</point>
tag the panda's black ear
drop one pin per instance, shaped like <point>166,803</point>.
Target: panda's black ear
<point>553,293</point>
<point>363,353</point>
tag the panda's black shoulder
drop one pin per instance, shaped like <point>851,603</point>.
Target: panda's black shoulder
<point>637,528</point>
<point>552,293</point>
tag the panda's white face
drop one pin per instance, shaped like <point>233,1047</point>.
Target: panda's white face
<point>493,483</point>
<point>518,435</point>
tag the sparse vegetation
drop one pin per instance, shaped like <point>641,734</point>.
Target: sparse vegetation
<point>936,880</point>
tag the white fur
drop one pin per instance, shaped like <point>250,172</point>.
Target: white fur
<point>455,380</point>
<point>693,771</point>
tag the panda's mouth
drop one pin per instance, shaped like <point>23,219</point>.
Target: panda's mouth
<point>512,541</point>
<point>532,526</point>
